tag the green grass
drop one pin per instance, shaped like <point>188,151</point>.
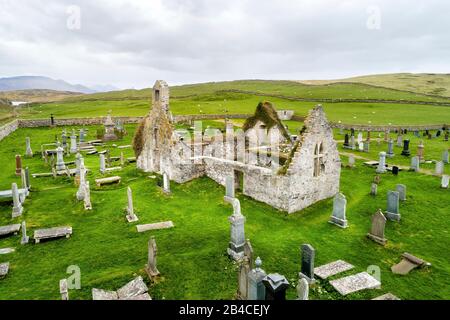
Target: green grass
<point>192,256</point>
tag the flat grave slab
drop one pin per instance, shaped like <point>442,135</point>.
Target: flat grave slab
<point>155,226</point>
<point>133,288</point>
<point>408,263</point>
<point>113,169</point>
<point>371,163</point>
<point>332,269</point>
<point>10,229</point>
<point>4,269</point>
<point>387,296</point>
<point>124,147</point>
<point>8,193</point>
<point>7,250</point>
<point>99,294</point>
<point>109,180</point>
<point>354,283</point>
<point>51,233</point>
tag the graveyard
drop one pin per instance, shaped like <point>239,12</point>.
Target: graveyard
<point>192,260</point>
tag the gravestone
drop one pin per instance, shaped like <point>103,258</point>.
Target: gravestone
<point>395,170</point>
<point>151,267</point>
<point>18,165</point>
<point>360,137</point>
<point>420,151</point>
<point>399,140</point>
<point>122,159</point>
<point>4,269</point>
<point>131,216</point>
<point>102,163</point>
<point>82,135</point>
<point>87,196</point>
<point>339,207</point>
<point>439,168</point>
<point>351,161</point>
<point>60,165</point>
<point>405,151</point>
<point>377,229</point>
<point>392,212</point>
<point>229,186</point>
<point>415,164</point>
<point>28,152</point>
<point>307,269</point>
<point>256,288</point>
<point>81,188</point>
<point>27,178</point>
<point>366,146</point>
<point>64,289</point>
<point>386,135</point>
<point>244,270</point>
<point>446,136</point>
<point>155,226</point>
<point>387,296</point>
<point>302,289</point>
<point>332,269</point>
<point>25,238</point>
<point>237,221</point>
<point>390,153</point>
<point>17,206</point>
<point>374,189</point>
<point>408,263</point>
<point>166,183</point>
<point>382,163</point>
<point>368,136</point>
<point>445,157</point>
<point>352,132</point>
<point>401,189</point>
<point>352,142</point>
<point>444,181</point>
<point>73,143</point>
<point>276,286</point>
<point>354,283</point>
<point>346,141</point>
<point>51,233</point>
<point>377,179</point>
<point>64,139</point>
<point>361,146</point>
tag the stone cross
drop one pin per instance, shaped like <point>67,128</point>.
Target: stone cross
<point>302,289</point>
<point>420,150</point>
<point>256,288</point>
<point>151,268</point>
<point>339,207</point>
<point>87,196</point>
<point>374,189</point>
<point>25,238</point>
<point>444,181</point>
<point>439,168</point>
<point>401,189</point>
<point>392,212</point>
<point>237,221</point>
<point>166,183</point>
<point>307,270</point>
<point>17,206</point>
<point>229,186</point>
<point>131,217</point>
<point>377,229</point>
<point>445,157</point>
<point>60,165</point>
<point>390,153</point>
<point>73,142</point>
<point>64,289</point>
<point>382,163</point>
<point>81,187</point>
<point>28,152</point>
<point>18,165</point>
<point>415,164</point>
<point>102,163</point>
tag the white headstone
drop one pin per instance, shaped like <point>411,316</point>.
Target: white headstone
<point>102,163</point>
<point>302,289</point>
<point>439,168</point>
<point>382,163</point>
<point>339,208</point>
<point>444,181</point>
<point>87,196</point>
<point>17,206</point>
<point>166,183</point>
<point>28,152</point>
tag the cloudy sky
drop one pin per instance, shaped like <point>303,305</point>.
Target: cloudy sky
<point>130,43</point>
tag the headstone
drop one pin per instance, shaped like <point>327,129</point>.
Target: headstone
<point>395,170</point>
<point>102,163</point>
<point>87,196</point>
<point>368,137</point>
<point>390,153</point>
<point>4,269</point>
<point>392,212</point>
<point>444,181</point>
<point>351,160</point>
<point>25,238</point>
<point>399,140</point>
<point>386,135</point>
<point>302,289</point>
<point>18,165</point>
<point>28,152</point>
<point>401,189</point>
<point>352,132</point>
<point>131,216</point>
<point>382,163</point>
<point>361,146</point>
<point>60,165</point>
<point>366,147</point>
<point>122,159</point>
<point>73,143</point>
<point>439,168</point>
<point>244,270</point>
<point>445,157</point>
<point>346,141</point>
<point>339,207</point>
<point>374,189</point>
<point>354,283</point>
<point>446,136</point>
<point>405,151</point>
<point>64,289</point>
<point>81,188</point>
<point>377,179</point>
<point>166,183</point>
<point>377,229</point>
<point>52,120</point>
<point>237,221</point>
<point>229,186</point>
<point>151,267</point>
<point>352,142</point>
<point>360,137</point>
<point>27,178</point>
<point>332,269</point>
<point>308,255</point>
<point>420,151</point>
<point>82,135</point>
<point>64,139</point>
<point>17,206</point>
<point>408,263</point>
<point>256,288</point>
<point>415,164</point>
<point>276,286</point>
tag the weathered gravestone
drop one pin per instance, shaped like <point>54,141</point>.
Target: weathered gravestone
<point>18,165</point>
<point>60,165</point>
<point>166,183</point>
<point>87,196</point>
<point>17,205</point>
<point>339,207</point>
<point>346,141</point>
<point>439,168</point>
<point>155,226</point>
<point>366,147</point>
<point>420,151</point>
<point>276,286</point>
<point>392,212</point>
<point>307,268</point>
<point>229,186</point>
<point>102,163</point>
<point>73,143</point>
<point>131,216</point>
<point>4,269</point>
<point>408,263</point>
<point>51,233</point>
<point>331,269</point>
<point>374,189</point>
<point>302,289</point>
<point>387,296</point>
<point>445,157</point>
<point>81,187</point>
<point>401,189</point>
<point>445,181</point>
<point>399,140</point>
<point>25,238</point>
<point>237,221</point>
<point>382,163</point>
<point>244,270</point>
<point>354,283</point>
<point>415,164</point>
<point>395,170</point>
<point>377,229</point>
<point>28,151</point>
<point>64,289</point>
<point>12,229</point>
<point>390,153</point>
<point>151,267</point>
<point>256,288</point>
<point>351,161</point>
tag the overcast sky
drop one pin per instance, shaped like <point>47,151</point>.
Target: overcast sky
<point>130,43</point>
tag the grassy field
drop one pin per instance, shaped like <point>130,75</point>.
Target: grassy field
<point>192,256</point>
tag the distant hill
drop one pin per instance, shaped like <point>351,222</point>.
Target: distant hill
<point>37,95</point>
<point>425,83</point>
<point>39,82</point>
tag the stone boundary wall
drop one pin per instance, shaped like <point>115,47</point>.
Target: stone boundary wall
<point>33,123</point>
<point>193,117</point>
<point>381,128</point>
<point>8,128</point>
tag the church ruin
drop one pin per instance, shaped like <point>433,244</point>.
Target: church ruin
<point>267,163</point>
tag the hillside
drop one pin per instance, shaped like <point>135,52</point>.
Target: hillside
<point>38,95</point>
<point>424,83</point>
<point>39,82</point>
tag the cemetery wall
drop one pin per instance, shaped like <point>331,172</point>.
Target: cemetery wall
<point>8,128</point>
